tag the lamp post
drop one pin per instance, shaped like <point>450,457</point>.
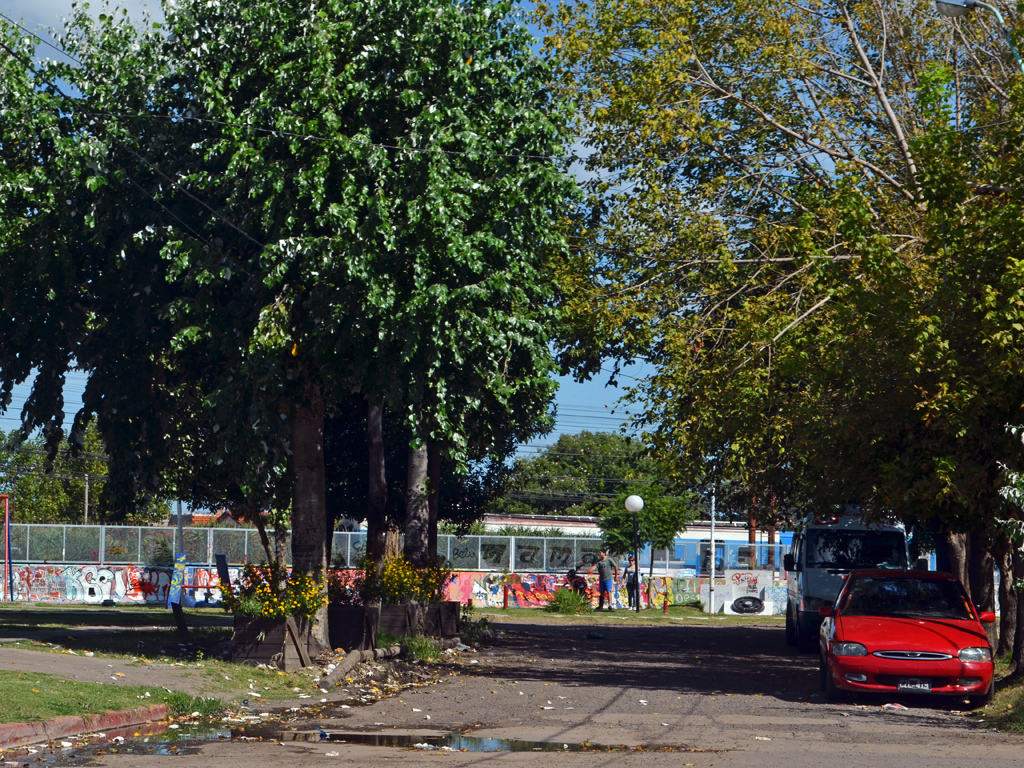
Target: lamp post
<point>634,504</point>
<point>951,9</point>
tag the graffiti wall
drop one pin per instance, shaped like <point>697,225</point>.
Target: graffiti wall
<point>98,583</point>
<point>535,589</point>
<point>94,584</point>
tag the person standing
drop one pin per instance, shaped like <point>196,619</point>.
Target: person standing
<point>607,572</point>
<point>632,593</point>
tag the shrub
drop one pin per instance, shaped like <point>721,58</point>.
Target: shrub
<point>569,602</point>
<point>470,629</point>
<point>397,579</point>
<point>267,592</point>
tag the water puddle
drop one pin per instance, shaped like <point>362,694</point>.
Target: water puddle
<point>458,742</point>
<point>188,739</point>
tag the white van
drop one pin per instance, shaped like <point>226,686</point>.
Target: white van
<point>824,550</point>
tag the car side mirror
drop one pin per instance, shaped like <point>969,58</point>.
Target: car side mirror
<point>825,611</point>
<point>787,562</point>
<point>987,617</point>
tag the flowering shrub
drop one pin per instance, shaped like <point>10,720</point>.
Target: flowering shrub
<point>398,579</point>
<point>259,594</point>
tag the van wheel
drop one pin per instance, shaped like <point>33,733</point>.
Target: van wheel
<point>790,629</point>
<point>805,641</point>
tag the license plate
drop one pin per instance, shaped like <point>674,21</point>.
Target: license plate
<point>914,684</point>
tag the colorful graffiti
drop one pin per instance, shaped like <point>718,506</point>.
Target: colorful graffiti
<point>94,584</point>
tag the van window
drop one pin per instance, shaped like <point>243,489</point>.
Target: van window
<point>855,549</point>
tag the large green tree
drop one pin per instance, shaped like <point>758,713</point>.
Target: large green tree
<point>766,229</point>
<point>236,222</point>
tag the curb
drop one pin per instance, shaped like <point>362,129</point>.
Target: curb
<point>19,734</point>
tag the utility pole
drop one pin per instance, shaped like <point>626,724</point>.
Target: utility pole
<point>86,499</point>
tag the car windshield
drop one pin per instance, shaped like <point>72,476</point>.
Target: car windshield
<point>856,549</point>
<point>906,598</point>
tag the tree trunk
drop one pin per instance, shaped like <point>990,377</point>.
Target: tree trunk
<point>1003,553</point>
<point>417,514</point>
<point>1017,665</point>
<point>433,501</point>
<point>981,571</point>
<point>392,542</point>
<point>280,543</point>
<point>309,504</point>
<point>771,547</point>
<point>376,514</point>
<point>957,551</point>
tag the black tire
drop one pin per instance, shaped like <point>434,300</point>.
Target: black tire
<point>833,695</point>
<point>790,629</point>
<point>748,604</point>
<point>983,699</point>
<point>805,641</point>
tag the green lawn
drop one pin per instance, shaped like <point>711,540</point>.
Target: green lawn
<point>31,697</point>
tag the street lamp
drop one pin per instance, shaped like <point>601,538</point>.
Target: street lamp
<point>952,9</point>
<point>634,504</point>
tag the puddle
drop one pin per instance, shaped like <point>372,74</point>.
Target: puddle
<point>457,742</point>
<point>158,739</point>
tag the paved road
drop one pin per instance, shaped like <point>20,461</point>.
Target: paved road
<point>717,696</point>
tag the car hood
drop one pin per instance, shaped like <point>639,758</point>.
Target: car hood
<point>938,635</point>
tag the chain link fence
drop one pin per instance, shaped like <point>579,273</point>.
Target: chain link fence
<point>102,544</point>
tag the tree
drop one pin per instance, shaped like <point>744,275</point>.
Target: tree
<point>241,221</point>
<point>576,475</point>
<point>662,518</point>
<point>771,226</point>
<point>64,489</point>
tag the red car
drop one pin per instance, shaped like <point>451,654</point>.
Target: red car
<point>900,632</point>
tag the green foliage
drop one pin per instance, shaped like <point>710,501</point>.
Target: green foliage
<point>396,579</point>
<point>45,491</point>
<point>246,214</point>
<point>660,521</point>
<point>472,629</point>
<point>576,475</point>
<point>476,528</point>
<point>806,219</point>
<point>180,703</point>
<point>421,648</point>
<point>269,592</point>
<point>568,602</point>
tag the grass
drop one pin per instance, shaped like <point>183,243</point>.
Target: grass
<point>568,602</point>
<point>31,697</point>
<point>422,648</point>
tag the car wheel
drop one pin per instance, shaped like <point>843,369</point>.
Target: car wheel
<point>822,673</point>
<point>790,629</point>
<point>833,695</point>
<point>983,699</point>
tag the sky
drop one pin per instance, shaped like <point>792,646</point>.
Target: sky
<point>580,406</point>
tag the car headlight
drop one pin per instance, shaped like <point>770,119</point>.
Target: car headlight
<point>975,654</point>
<point>849,649</point>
